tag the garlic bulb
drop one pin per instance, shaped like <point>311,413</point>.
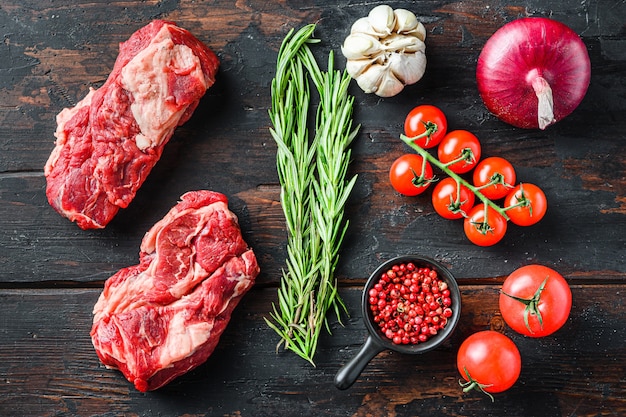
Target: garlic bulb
<point>386,51</point>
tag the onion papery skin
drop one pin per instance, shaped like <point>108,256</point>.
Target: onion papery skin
<point>520,51</point>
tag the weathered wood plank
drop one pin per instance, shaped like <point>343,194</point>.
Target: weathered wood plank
<point>49,367</point>
<point>39,245</point>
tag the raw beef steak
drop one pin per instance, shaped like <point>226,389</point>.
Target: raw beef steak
<point>163,317</point>
<point>109,142</point>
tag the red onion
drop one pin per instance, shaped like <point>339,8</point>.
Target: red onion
<point>533,72</point>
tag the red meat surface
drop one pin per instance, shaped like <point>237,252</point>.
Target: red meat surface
<point>163,317</point>
<point>109,142</point>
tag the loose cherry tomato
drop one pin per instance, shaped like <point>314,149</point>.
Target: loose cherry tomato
<point>406,174</point>
<point>526,204</point>
<point>459,145</point>
<point>451,201</point>
<point>484,228</point>
<point>535,300</point>
<point>494,177</point>
<point>489,361</point>
<point>421,118</point>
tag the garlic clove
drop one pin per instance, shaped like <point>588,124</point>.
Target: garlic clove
<point>355,67</point>
<point>382,19</point>
<point>370,79</point>
<point>389,85</point>
<point>362,25</point>
<point>403,43</point>
<point>419,32</point>
<point>359,45</point>
<point>408,68</point>
<point>406,21</point>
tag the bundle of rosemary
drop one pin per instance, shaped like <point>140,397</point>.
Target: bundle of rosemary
<point>312,171</point>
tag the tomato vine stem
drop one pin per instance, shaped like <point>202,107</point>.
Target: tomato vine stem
<point>472,384</point>
<point>522,201</point>
<point>496,179</point>
<point>532,304</point>
<point>466,155</point>
<point>456,203</point>
<point>459,180</point>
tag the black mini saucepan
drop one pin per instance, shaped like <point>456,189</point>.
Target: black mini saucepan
<point>376,342</point>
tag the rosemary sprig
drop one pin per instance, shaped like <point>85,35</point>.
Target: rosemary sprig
<point>295,167</point>
<point>314,190</point>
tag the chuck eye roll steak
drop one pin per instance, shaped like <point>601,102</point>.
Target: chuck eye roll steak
<point>163,317</point>
<point>109,142</point>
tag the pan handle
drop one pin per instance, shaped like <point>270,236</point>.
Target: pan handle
<point>348,373</point>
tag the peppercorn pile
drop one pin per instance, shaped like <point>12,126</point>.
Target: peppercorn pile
<point>410,304</point>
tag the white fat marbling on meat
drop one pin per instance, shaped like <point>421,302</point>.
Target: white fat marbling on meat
<point>182,338</point>
<point>146,78</point>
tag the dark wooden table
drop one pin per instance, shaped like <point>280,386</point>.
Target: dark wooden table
<point>51,272</point>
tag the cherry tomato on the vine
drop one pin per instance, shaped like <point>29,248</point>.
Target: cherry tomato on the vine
<point>484,228</point>
<point>406,174</point>
<point>528,202</point>
<point>535,300</point>
<point>459,145</point>
<point>417,121</point>
<point>452,200</point>
<point>496,175</point>
<point>489,361</point>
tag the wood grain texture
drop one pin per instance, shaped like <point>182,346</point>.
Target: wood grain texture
<point>51,272</point>
<point>49,366</point>
<point>56,53</point>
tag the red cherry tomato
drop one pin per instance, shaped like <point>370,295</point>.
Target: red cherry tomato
<point>484,228</point>
<point>406,175</point>
<point>489,361</point>
<point>418,120</point>
<point>528,202</point>
<point>535,300</point>
<point>494,177</point>
<point>459,144</point>
<point>451,201</point>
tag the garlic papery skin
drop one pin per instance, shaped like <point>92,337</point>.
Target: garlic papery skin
<point>407,68</point>
<point>386,51</point>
